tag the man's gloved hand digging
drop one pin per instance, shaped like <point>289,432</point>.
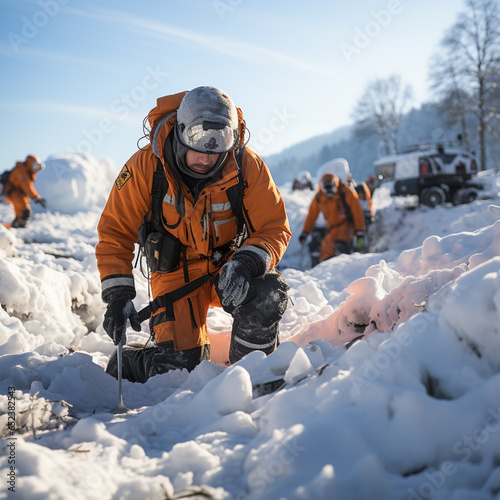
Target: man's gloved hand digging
<point>118,312</point>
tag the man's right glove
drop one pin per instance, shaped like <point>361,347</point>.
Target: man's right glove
<point>235,276</point>
<point>115,319</point>
<point>41,201</point>
<point>303,237</point>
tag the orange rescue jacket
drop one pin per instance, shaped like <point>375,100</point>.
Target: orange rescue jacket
<point>21,179</point>
<point>334,211</point>
<point>208,223</point>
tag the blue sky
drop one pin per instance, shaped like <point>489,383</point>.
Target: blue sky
<point>81,75</point>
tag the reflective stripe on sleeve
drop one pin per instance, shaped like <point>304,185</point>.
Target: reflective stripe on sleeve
<point>113,281</point>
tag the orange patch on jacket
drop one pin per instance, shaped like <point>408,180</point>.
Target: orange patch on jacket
<point>123,177</point>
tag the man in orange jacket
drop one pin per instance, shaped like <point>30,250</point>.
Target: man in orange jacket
<point>344,217</point>
<point>195,139</point>
<point>20,188</point>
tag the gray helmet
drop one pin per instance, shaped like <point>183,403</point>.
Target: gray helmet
<point>207,121</point>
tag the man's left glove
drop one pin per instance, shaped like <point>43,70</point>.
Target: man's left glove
<point>41,201</point>
<point>235,276</point>
<point>115,319</point>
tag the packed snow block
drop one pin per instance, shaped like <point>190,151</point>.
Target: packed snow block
<point>472,312</point>
<point>232,393</point>
<point>299,368</point>
<point>7,243</point>
<point>75,182</point>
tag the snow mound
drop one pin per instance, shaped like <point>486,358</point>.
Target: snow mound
<point>75,182</point>
<point>7,243</point>
<point>337,166</point>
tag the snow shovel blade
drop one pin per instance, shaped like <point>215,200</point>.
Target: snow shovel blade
<point>120,408</point>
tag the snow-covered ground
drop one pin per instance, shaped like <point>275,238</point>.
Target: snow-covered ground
<point>411,411</point>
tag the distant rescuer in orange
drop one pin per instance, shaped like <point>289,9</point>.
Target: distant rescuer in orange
<point>344,217</point>
<point>366,202</point>
<point>19,189</point>
<point>208,247</point>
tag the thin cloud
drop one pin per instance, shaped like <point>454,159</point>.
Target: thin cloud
<point>72,109</point>
<point>215,43</point>
<point>26,51</point>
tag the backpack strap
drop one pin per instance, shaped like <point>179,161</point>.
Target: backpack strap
<point>236,193</point>
<point>347,208</point>
<point>159,189</point>
<point>4,180</point>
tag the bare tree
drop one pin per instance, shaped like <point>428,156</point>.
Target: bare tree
<point>380,109</point>
<point>454,101</point>
<point>469,76</point>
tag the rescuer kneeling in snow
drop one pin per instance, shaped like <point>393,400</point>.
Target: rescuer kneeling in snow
<point>218,233</point>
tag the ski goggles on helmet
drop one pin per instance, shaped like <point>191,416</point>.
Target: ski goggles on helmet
<point>329,187</point>
<point>208,137</point>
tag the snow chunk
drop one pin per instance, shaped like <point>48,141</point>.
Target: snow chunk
<point>312,294</point>
<point>299,367</point>
<point>475,317</point>
<point>7,243</point>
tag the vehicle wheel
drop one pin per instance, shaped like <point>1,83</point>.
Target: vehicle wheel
<point>458,197</point>
<point>470,195</point>
<point>432,196</point>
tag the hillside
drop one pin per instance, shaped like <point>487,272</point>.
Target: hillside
<point>418,125</point>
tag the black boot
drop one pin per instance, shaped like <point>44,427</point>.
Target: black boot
<point>139,363</point>
<point>17,222</point>
<point>245,339</point>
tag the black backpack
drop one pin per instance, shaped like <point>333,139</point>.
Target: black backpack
<point>4,178</point>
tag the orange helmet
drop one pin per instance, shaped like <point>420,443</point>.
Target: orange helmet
<point>329,184</point>
<point>34,163</point>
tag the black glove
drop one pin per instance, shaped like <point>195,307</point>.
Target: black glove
<point>115,319</point>
<point>41,201</point>
<point>235,277</point>
<point>303,237</point>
